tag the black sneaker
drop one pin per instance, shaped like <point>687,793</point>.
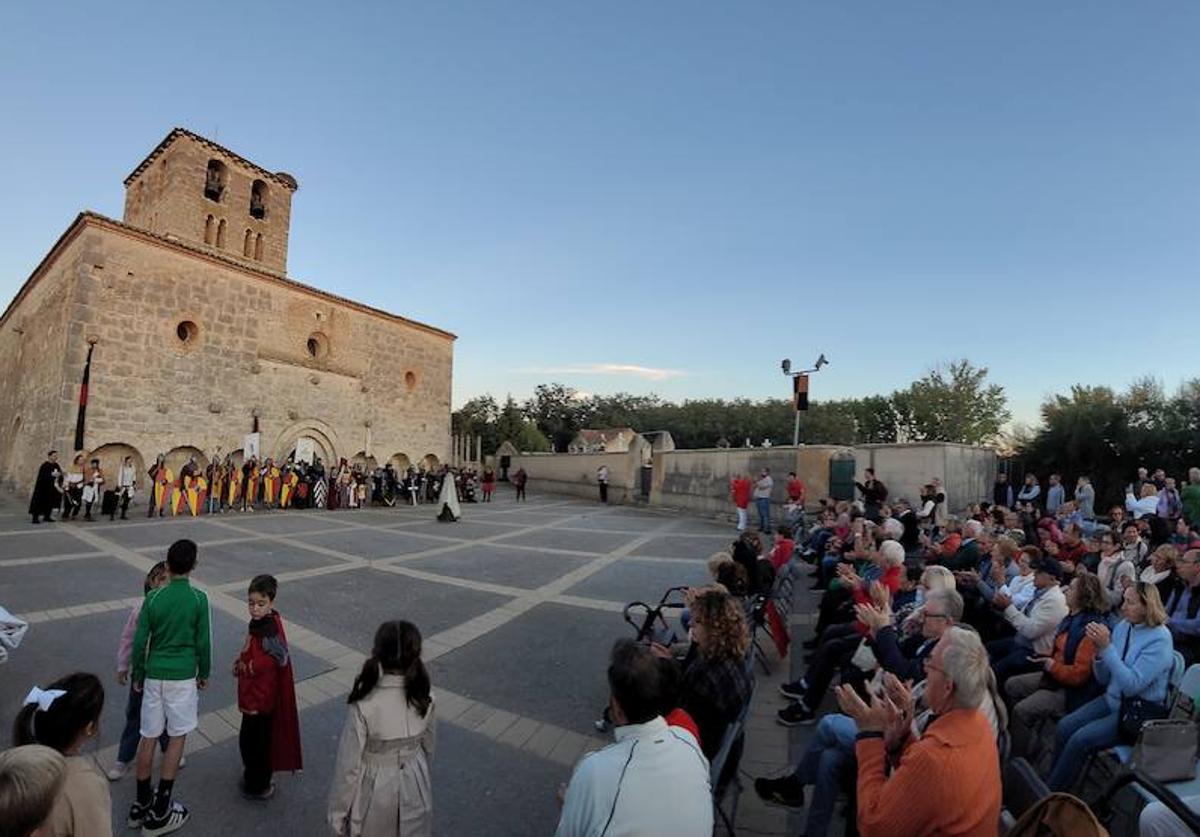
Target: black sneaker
<point>137,815</point>
<point>796,714</point>
<point>795,690</point>
<point>173,820</point>
<point>785,791</point>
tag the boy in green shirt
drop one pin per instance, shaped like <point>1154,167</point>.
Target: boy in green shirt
<point>170,661</point>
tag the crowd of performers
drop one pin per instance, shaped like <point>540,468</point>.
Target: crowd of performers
<point>224,485</point>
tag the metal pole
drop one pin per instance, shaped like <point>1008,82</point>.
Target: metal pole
<point>796,428</point>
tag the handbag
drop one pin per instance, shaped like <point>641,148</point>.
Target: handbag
<point>1166,750</point>
<point>1135,712</point>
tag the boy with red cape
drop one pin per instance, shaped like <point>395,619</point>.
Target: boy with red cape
<point>269,738</point>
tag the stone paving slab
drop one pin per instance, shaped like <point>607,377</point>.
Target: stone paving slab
<point>596,542</point>
<point>34,544</point>
<point>55,585</point>
<point>158,532</point>
<point>500,565</point>
<point>244,560</point>
<point>630,580</point>
<point>373,544</point>
<point>282,523</point>
<point>524,666</point>
<point>351,605</point>
<point>684,546</point>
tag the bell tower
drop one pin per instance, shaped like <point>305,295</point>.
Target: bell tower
<point>197,191</point>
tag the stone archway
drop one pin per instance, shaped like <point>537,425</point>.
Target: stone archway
<point>112,455</point>
<point>322,437</point>
<point>368,463</point>
<point>400,463</point>
<point>431,462</point>
<point>178,457</point>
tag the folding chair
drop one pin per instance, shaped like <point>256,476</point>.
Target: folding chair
<point>1023,788</point>
<point>723,770</point>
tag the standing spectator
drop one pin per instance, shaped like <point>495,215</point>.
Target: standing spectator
<point>381,783</point>
<point>171,661</point>
<point>602,481</point>
<point>66,716</point>
<point>625,788</point>
<point>1170,507</point>
<point>1134,662</point>
<point>948,780</point>
<point>1002,493</point>
<point>762,499</point>
<point>1030,493</point>
<point>1190,497</point>
<point>795,489</point>
<point>1146,503</point>
<point>740,489</point>
<point>518,481</point>
<point>131,735</point>
<point>1085,497</point>
<point>874,493</point>
<point>31,780</point>
<point>941,511</point>
<point>1056,495</point>
<point>269,738</point>
<point>488,485</point>
<point>1183,608</point>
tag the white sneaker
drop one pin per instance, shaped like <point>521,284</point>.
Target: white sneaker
<point>182,762</point>
<point>117,772</point>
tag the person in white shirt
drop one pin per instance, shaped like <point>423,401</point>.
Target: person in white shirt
<point>1146,504</point>
<point>654,779</point>
<point>762,499</point>
<point>602,480</point>
<point>1035,624</point>
<point>126,480</point>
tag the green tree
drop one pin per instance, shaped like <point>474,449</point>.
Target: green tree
<point>558,412</point>
<point>954,404</point>
<point>478,417</point>
<point>512,426</point>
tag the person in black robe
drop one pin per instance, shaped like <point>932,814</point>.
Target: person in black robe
<point>47,489</point>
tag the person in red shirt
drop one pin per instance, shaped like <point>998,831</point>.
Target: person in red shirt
<point>795,489</point>
<point>270,734</point>
<point>740,488</point>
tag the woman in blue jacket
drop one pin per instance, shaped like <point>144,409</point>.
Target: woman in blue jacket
<point>1134,661</point>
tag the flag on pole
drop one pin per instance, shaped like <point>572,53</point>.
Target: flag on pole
<point>800,392</point>
<point>83,399</point>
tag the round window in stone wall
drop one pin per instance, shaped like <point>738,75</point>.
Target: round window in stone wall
<point>187,332</point>
<point>317,345</point>
<point>410,380</point>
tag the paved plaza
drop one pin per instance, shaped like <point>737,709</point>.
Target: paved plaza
<point>518,603</point>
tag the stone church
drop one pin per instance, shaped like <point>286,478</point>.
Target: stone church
<point>200,337</point>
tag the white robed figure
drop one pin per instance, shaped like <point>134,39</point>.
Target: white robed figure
<point>448,508</point>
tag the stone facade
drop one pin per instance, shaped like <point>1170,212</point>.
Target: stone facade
<point>192,340</point>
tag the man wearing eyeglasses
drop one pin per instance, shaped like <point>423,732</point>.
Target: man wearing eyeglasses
<point>1183,607</point>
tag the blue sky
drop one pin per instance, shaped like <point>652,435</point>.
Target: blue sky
<point>672,197</point>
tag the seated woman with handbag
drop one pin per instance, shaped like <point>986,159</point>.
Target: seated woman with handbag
<point>1134,665</point>
<point>1043,697</point>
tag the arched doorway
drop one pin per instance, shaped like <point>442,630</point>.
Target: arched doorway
<point>360,459</point>
<point>431,462</point>
<point>307,436</point>
<point>112,455</point>
<point>178,457</point>
<point>400,463</point>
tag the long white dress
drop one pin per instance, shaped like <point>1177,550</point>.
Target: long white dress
<point>381,785</point>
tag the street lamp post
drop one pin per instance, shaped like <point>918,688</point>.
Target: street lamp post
<point>786,365</point>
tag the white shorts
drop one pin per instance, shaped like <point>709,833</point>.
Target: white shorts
<point>169,704</point>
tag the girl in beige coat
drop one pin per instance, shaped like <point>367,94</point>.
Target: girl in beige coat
<point>381,785</point>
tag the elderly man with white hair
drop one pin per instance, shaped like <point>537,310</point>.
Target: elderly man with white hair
<point>839,642</point>
<point>967,557</point>
<point>947,780</point>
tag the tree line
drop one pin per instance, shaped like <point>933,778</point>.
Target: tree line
<point>951,403</point>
